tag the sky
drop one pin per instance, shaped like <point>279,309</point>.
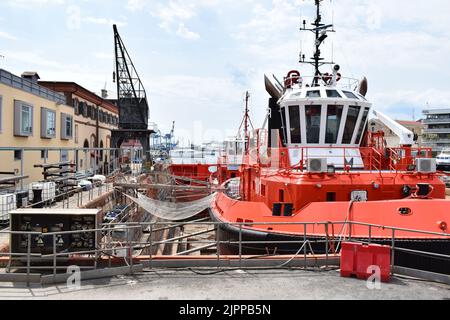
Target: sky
<point>197,58</point>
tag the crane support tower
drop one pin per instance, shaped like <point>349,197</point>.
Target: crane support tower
<point>131,101</point>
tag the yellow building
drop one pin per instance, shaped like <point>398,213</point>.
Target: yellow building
<point>95,117</point>
<point>48,122</point>
<point>32,117</point>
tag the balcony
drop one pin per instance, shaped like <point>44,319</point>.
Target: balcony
<point>443,130</point>
<point>436,121</point>
<point>435,141</point>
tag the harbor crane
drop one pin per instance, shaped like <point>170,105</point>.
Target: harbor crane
<point>131,101</point>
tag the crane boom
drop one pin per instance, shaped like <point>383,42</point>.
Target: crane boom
<point>132,98</point>
<point>406,136</point>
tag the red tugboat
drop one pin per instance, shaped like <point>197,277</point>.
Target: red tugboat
<point>320,163</point>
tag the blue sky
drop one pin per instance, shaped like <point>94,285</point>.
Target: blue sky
<point>198,57</point>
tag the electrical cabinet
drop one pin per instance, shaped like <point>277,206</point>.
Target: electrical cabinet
<point>45,221</point>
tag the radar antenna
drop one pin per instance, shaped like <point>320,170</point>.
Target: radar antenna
<point>320,31</point>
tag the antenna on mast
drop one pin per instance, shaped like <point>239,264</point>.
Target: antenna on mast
<point>246,121</point>
<point>320,31</point>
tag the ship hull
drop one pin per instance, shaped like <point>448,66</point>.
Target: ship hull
<point>263,244</point>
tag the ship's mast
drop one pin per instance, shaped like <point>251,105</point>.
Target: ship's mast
<point>246,121</point>
<point>320,31</point>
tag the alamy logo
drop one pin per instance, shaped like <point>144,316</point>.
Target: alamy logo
<point>374,281</point>
<point>74,280</point>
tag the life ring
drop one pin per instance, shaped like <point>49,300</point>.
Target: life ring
<point>293,77</point>
<point>327,77</point>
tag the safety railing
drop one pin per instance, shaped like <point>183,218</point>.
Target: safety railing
<point>345,83</point>
<point>111,248</point>
<point>341,158</point>
<point>403,159</point>
<point>81,195</point>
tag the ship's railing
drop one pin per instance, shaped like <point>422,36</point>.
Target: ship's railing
<point>342,158</point>
<point>345,83</point>
<point>339,157</point>
<point>128,255</point>
<point>401,159</point>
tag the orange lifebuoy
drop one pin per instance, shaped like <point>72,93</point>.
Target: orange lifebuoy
<point>292,78</point>
<point>327,77</point>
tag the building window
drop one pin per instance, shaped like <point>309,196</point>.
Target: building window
<point>17,155</point>
<point>76,106</point>
<point>89,110</point>
<point>82,108</point>
<point>313,116</point>
<point>44,154</point>
<point>23,119</point>
<point>48,123</point>
<point>334,117</point>
<point>66,126</point>
<point>76,134</point>
<point>101,151</point>
<point>64,156</point>
<point>85,109</point>
<point>1,112</point>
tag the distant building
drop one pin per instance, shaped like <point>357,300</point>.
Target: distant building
<point>392,140</point>
<point>40,114</point>
<point>94,116</point>
<point>437,129</point>
<point>32,116</point>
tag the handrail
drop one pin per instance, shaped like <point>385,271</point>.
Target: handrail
<point>107,246</point>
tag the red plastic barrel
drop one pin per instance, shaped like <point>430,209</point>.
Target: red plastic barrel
<point>360,260</point>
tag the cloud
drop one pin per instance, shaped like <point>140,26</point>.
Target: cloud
<point>173,15</point>
<point>103,56</point>
<point>184,32</point>
<point>105,21</point>
<point>33,3</point>
<point>136,5</point>
<point>7,36</point>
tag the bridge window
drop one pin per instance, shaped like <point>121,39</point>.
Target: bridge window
<point>350,95</point>
<point>313,94</point>
<point>352,118</point>
<point>294,118</point>
<point>362,97</point>
<point>333,94</point>
<point>283,120</point>
<point>363,125</point>
<point>334,117</point>
<point>313,115</point>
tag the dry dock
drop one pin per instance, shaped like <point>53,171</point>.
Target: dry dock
<point>232,285</point>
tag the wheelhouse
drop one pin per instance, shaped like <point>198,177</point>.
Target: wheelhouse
<point>329,121</point>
